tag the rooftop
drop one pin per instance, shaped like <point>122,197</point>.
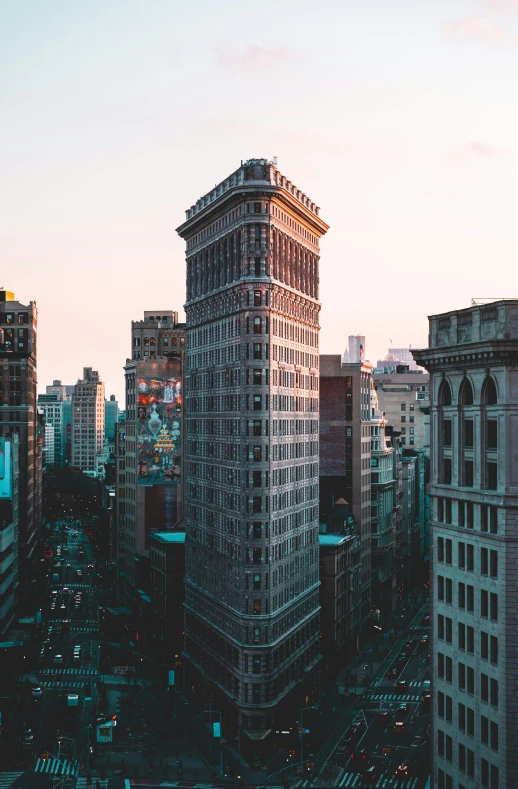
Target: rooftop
<point>325,540</point>
<point>169,536</point>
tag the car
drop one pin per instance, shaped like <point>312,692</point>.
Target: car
<point>27,739</point>
<point>399,727</point>
<point>427,685</point>
<point>369,776</point>
<point>68,565</point>
<point>402,657</point>
<point>37,693</point>
<point>63,606</point>
<point>423,640</point>
<point>393,671</point>
<point>419,742</point>
<point>54,593</point>
<point>91,566</point>
<point>66,590</point>
<point>401,770</point>
<point>58,660</point>
<point>425,621</point>
<point>79,573</point>
<point>401,709</point>
<point>360,759</point>
<point>401,684</point>
<point>383,718</point>
<point>426,698</point>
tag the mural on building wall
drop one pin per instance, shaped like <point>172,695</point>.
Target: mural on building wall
<point>6,488</point>
<point>159,431</point>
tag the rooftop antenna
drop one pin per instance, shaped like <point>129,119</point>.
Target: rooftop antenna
<point>274,161</point>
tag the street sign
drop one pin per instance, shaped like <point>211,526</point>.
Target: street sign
<point>216,729</point>
<point>171,678</point>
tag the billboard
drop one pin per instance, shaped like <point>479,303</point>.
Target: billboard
<point>159,430</point>
<point>6,482</point>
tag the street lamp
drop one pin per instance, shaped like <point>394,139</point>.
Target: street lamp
<point>217,732</point>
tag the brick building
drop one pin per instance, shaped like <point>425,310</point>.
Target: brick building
<point>87,420</point>
<point>252,609</point>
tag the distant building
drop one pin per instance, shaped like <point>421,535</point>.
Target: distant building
<point>9,517</point>
<point>355,351</point>
<point>167,555</point>
<point>149,489</point>
<point>87,421</point>
<point>54,439</point>
<point>404,398</point>
<point>18,410</point>
<point>111,417</point>
<point>398,356</point>
<point>345,455</point>
<point>63,392</point>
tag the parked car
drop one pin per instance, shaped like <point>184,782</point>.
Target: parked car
<point>58,660</point>
<point>401,684</point>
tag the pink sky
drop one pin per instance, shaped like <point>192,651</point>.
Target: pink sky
<point>398,118</point>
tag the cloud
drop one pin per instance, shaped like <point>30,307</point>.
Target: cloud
<point>476,30</point>
<point>254,58</point>
<point>501,6</point>
<point>474,149</point>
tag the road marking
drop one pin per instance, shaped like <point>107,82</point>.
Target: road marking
<point>8,778</point>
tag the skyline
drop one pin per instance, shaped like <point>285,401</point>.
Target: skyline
<point>396,121</point>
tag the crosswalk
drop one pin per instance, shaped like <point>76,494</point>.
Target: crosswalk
<point>354,779</point>
<point>84,629</point>
<point>56,766</point>
<point>394,697</point>
<point>7,779</point>
<point>64,684</point>
<point>83,672</point>
<point>120,679</point>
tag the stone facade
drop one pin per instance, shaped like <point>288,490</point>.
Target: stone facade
<point>473,365</point>
<point>87,421</point>
<point>405,400</point>
<point>252,610</point>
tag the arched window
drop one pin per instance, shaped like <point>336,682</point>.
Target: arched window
<point>489,392</point>
<point>466,392</point>
<point>444,393</point>
<point>146,341</point>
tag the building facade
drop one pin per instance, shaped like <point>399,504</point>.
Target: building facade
<point>54,438</point>
<point>404,398</point>
<point>87,420</point>
<point>9,514</point>
<point>345,456</point>
<point>252,608</point>
<point>149,501</point>
<point>473,365</point>
<point>355,351</point>
<point>111,417</point>
<point>167,559</point>
<point>18,412</point>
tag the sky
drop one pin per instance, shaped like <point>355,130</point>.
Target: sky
<point>398,118</point>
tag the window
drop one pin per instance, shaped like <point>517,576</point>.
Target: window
<point>469,514</point>
<point>461,635</point>
<point>410,418</point>
<point>257,350</point>
<point>449,708</point>
<point>403,406</point>
<point>449,591</point>
<point>446,471</point>
<point>471,763</point>
<point>489,392</point>
<point>449,748</point>
<point>462,595</point>
<point>449,669</point>
<point>483,517</point>
<point>495,777</point>
<point>257,210</point>
<point>257,453</point>
<point>462,757</point>
<point>440,742</point>
<point>256,479</point>
<point>258,400</point>
<point>447,518</point>
<point>440,665</point>
<point>461,555</point>
<point>470,680</point>
<point>440,627</point>
<point>258,325</point>
<point>492,481</point>
<point>470,557</point>
<point>444,396</point>
<point>468,473</point>
<point>493,606</point>
<point>256,530</point>
<point>256,504</point>
<point>449,626</point>
<point>257,607</point>
<point>440,704</point>
<point>493,564</point>
<point>484,603</point>
<point>493,685</point>
<point>493,730</point>
<point>484,687</point>
<point>470,633</point>
<point>446,432</point>
<point>484,645</point>
<point>462,717</point>
<point>484,561</point>
<point>257,376</point>
<point>484,772</point>
<point>492,434</point>
<point>411,431</point>
<point>448,548</point>
<point>403,418</point>
<point>494,650</point>
<point>411,406</point>
<point>462,676</point>
<point>257,427</point>
<point>484,729</point>
<point>440,514</point>
<point>440,587</point>
<point>493,520</point>
<point>470,598</point>
<point>256,555</point>
<point>470,718</point>
<point>256,664</point>
<point>468,433</point>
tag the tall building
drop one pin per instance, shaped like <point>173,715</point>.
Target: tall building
<point>473,359</point>
<point>87,420</point>
<point>63,392</point>
<point>345,456</point>
<point>111,417</point>
<point>149,488</point>
<point>54,439</point>
<point>9,515</point>
<point>18,415</point>
<point>355,351</point>
<point>251,588</point>
<point>399,356</point>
